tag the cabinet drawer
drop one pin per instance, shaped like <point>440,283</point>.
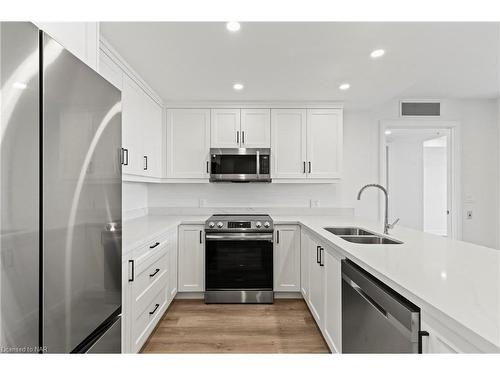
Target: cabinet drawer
<point>145,322</point>
<point>144,298</point>
<point>148,272</point>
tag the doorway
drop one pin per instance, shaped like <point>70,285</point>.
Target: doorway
<point>419,178</point>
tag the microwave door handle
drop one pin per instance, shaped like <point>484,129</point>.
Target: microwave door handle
<point>258,164</point>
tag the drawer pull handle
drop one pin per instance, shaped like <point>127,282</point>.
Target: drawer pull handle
<point>153,246</point>
<point>154,273</point>
<point>154,310</point>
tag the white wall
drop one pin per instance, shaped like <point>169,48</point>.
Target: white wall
<point>134,199</point>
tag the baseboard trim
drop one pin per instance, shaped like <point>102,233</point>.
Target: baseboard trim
<point>201,295</point>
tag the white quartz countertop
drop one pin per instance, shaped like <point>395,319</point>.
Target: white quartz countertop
<point>458,279</point>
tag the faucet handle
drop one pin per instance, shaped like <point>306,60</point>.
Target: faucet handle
<point>393,224</point>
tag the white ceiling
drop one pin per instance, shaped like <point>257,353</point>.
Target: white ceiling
<point>308,61</point>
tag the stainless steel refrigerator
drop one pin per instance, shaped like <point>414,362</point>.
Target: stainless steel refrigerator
<point>60,199</point>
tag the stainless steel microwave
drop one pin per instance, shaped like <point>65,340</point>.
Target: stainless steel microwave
<point>240,165</point>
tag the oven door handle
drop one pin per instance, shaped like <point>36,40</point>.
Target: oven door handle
<point>239,237</point>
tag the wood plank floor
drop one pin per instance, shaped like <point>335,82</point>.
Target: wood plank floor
<point>191,326</point>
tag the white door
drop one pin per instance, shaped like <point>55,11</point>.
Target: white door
<point>132,127</point>
<point>153,137</point>
<point>324,143</point>
<point>225,128</point>
<point>316,284</point>
<point>256,128</point>
<point>305,241</point>
<point>191,258</point>
<point>188,143</point>
<point>288,143</point>
<point>333,301</point>
<point>287,258</point>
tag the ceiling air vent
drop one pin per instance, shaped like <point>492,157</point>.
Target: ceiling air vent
<point>414,108</point>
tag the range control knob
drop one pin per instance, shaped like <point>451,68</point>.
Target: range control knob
<point>211,224</point>
<point>258,224</point>
<point>220,224</point>
<point>266,224</point>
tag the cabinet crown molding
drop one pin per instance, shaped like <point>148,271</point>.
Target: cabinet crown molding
<point>256,104</point>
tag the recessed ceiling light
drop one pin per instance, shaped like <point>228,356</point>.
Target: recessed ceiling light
<point>19,85</point>
<point>238,86</point>
<point>388,132</point>
<point>344,86</point>
<point>377,53</point>
<point>233,26</point>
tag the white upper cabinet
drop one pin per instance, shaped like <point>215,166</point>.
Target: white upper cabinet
<point>287,258</point>
<point>306,144</point>
<point>324,143</point>
<point>188,143</point>
<point>288,143</point>
<point>132,127</point>
<point>80,38</point>
<point>152,138</point>
<point>111,71</point>
<point>225,128</point>
<point>255,128</point>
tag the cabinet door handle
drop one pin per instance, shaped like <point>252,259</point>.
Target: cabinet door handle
<point>131,262</point>
<point>237,136</point>
<point>321,257</point>
<point>304,167</point>
<point>277,236</point>
<point>153,246</point>
<point>125,157</point>
<point>201,241</point>
<point>317,254</point>
<point>207,166</point>
<point>243,137</point>
<point>122,156</point>
<point>309,167</point>
<point>145,163</point>
<point>154,273</point>
<point>154,310</point>
<point>421,335</point>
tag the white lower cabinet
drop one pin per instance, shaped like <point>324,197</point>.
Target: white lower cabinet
<point>287,258</point>
<point>147,290</point>
<point>321,286</point>
<point>305,241</point>
<point>316,284</point>
<point>333,300</point>
<point>191,255</point>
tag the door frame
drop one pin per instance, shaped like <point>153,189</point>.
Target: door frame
<point>454,160</point>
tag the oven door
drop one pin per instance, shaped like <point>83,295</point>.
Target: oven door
<point>239,261</point>
<point>240,165</point>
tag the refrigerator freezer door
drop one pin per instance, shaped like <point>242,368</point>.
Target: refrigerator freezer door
<point>81,131</point>
<point>19,187</point>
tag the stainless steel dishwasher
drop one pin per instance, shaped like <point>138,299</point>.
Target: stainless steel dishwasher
<point>376,319</point>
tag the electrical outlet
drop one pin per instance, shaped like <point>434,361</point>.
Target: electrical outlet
<point>469,215</point>
<point>313,203</point>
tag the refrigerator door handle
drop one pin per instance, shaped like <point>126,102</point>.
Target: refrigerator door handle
<point>131,270</point>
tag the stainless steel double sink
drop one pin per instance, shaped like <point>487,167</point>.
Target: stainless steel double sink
<point>361,236</point>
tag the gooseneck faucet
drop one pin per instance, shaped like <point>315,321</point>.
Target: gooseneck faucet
<point>387,226</point>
